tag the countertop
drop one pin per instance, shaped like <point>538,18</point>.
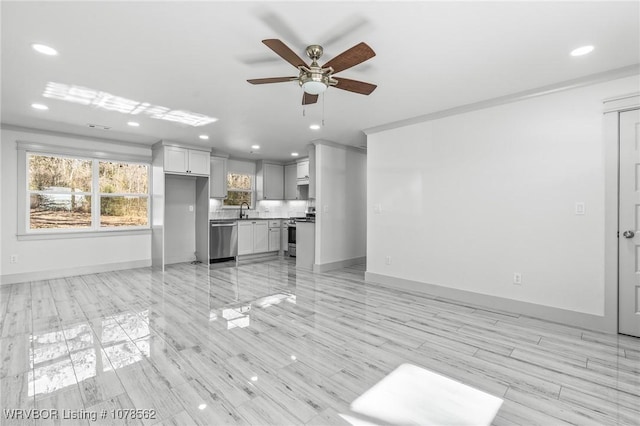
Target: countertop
<point>236,219</point>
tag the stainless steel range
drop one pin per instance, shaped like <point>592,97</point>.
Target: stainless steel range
<point>291,236</point>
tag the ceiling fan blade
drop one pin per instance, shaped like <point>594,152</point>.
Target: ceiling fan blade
<point>280,26</point>
<point>271,80</point>
<point>355,86</point>
<point>309,99</point>
<point>344,28</point>
<point>284,52</point>
<point>351,57</point>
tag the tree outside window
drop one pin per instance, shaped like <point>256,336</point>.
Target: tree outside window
<point>239,189</point>
<point>80,193</point>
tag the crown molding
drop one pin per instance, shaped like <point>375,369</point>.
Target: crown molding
<point>589,80</point>
<point>15,128</point>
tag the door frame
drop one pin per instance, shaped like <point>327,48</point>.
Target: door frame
<point>612,109</point>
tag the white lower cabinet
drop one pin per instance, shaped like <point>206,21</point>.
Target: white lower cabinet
<point>245,238</point>
<point>253,237</point>
<point>284,242</point>
<point>260,237</point>
<point>274,235</point>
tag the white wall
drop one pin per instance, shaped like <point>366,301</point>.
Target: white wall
<point>180,223</point>
<point>468,200</point>
<point>57,257</point>
<point>341,214</point>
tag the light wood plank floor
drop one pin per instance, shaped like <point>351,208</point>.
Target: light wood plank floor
<point>265,343</point>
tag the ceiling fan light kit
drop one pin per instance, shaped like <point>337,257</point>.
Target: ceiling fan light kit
<point>315,79</point>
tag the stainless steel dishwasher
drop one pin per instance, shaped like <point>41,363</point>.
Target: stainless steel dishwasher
<point>223,240</point>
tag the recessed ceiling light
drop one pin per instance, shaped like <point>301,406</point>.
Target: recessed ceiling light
<point>133,124</point>
<point>204,137</point>
<point>45,50</point>
<point>254,378</point>
<point>294,154</point>
<point>255,146</point>
<point>315,127</point>
<point>40,107</point>
<point>583,50</point>
<point>202,406</point>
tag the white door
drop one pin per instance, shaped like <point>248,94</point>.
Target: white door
<point>245,238</point>
<point>199,163</point>
<point>629,225</point>
<point>260,236</point>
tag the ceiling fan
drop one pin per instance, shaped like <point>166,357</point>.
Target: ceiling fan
<point>315,79</point>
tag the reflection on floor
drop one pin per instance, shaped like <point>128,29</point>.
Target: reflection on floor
<point>265,343</point>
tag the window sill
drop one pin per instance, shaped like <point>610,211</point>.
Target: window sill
<point>81,234</point>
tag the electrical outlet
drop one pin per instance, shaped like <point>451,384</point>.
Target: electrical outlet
<point>191,207</point>
<point>387,260</point>
<point>377,208</point>
<point>13,258</point>
<point>517,278</point>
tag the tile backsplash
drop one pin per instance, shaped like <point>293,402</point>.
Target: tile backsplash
<point>262,209</point>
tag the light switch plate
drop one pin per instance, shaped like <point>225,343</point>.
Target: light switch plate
<point>377,208</point>
<point>579,208</point>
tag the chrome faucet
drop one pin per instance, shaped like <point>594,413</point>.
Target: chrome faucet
<point>248,207</point>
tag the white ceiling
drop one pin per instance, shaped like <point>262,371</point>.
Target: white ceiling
<point>197,56</point>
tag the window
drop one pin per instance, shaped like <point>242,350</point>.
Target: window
<point>72,193</point>
<point>59,192</point>
<point>124,194</point>
<point>239,189</point>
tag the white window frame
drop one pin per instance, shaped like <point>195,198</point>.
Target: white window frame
<point>26,233</point>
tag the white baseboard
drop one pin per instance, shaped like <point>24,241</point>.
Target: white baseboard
<point>548,313</point>
<point>186,258</point>
<point>258,256</point>
<point>69,272</point>
<point>339,264</point>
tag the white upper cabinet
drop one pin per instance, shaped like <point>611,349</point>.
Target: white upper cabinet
<point>199,162</point>
<point>303,172</point>
<point>218,179</point>
<point>290,182</point>
<point>270,181</point>
<point>187,161</point>
<point>176,159</point>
